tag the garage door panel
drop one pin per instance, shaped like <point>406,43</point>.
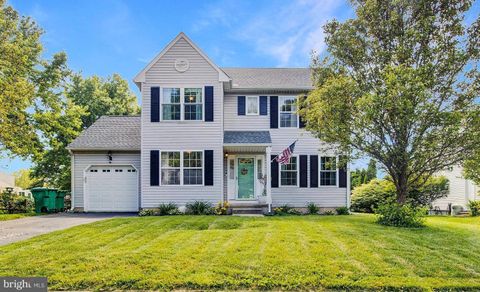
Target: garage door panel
<point>112,188</point>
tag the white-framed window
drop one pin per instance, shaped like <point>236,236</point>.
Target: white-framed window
<point>171,108</point>
<point>288,112</point>
<point>170,168</point>
<point>193,104</point>
<point>289,173</point>
<point>328,171</point>
<point>253,107</point>
<point>181,167</point>
<point>182,104</point>
<point>193,168</point>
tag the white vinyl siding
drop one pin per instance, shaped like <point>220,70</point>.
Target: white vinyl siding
<point>83,160</point>
<point>182,135</point>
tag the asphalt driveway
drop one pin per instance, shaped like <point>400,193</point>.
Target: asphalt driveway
<point>24,228</point>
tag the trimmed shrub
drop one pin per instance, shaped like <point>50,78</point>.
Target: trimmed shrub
<point>146,212</point>
<point>474,207</point>
<point>367,197</point>
<point>285,210</point>
<point>456,209</point>
<point>167,209</point>
<point>312,209</point>
<point>342,211</point>
<point>199,208</point>
<point>12,202</point>
<point>222,208</point>
<point>394,214</point>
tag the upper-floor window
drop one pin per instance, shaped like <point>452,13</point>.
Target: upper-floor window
<point>252,105</point>
<point>328,171</point>
<point>288,112</point>
<point>193,104</point>
<point>182,104</point>
<point>289,173</point>
<point>171,108</point>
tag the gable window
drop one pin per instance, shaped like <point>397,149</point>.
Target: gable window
<point>182,104</point>
<point>171,109</point>
<point>170,168</point>
<point>192,168</point>
<point>289,173</point>
<point>252,105</point>
<point>193,104</point>
<point>328,171</point>
<point>288,112</point>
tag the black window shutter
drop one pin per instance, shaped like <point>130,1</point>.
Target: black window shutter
<point>208,103</point>
<point>314,171</point>
<point>208,168</point>
<point>342,175</point>
<point>273,112</point>
<point>155,104</point>
<point>241,105</point>
<point>303,171</point>
<point>301,123</point>
<point>263,105</point>
<point>274,171</point>
<point>154,167</point>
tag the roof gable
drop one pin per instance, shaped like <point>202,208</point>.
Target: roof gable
<point>141,76</point>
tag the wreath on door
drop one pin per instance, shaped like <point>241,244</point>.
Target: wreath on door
<point>244,171</point>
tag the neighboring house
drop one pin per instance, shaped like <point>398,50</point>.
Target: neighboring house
<point>8,181</point>
<point>206,133</point>
<point>461,190</point>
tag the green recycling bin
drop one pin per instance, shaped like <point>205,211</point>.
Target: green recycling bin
<point>45,199</point>
<point>60,201</point>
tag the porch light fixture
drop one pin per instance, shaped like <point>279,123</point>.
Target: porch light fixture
<point>109,156</point>
<point>226,154</point>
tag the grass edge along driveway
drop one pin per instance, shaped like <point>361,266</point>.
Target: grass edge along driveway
<point>213,252</point>
<point>5,217</point>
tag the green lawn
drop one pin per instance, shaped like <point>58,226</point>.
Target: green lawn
<point>5,217</point>
<point>211,252</point>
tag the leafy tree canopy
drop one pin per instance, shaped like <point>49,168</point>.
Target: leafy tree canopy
<point>399,85</point>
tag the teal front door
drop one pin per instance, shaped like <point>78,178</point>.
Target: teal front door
<point>246,177</point>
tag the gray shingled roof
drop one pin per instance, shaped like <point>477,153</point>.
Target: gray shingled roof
<point>110,133</point>
<point>250,78</point>
<point>247,137</point>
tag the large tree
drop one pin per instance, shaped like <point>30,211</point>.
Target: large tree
<point>27,85</point>
<point>86,99</point>
<point>399,84</point>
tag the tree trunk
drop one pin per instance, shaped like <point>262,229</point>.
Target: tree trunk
<point>401,185</point>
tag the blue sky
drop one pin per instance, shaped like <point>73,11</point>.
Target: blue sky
<point>114,36</point>
<point>103,37</point>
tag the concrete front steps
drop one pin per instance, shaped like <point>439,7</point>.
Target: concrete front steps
<point>250,208</point>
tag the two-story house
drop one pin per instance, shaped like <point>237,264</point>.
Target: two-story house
<point>206,133</point>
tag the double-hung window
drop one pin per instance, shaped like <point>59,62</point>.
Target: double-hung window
<point>171,108</point>
<point>182,168</point>
<point>289,173</point>
<point>328,171</point>
<point>192,168</point>
<point>170,166</point>
<point>182,104</point>
<point>288,112</point>
<point>252,105</point>
<point>193,104</point>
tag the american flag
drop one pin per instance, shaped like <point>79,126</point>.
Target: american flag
<point>284,157</point>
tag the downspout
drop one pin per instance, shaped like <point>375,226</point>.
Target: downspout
<point>72,179</point>
<point>348,186</point>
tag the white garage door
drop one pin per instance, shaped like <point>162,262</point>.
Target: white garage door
<point>111,188</point>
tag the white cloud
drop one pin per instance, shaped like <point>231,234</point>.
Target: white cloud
<point>287,33</point>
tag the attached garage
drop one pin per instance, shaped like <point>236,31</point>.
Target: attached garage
<point>106,166</point>
<point>111,188</point>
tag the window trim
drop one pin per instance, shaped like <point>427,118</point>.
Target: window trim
<point>257,98</point>
<point>182,168</point>
<point>280,175</point>
<point>280,100</point>
<point>182,103</point>
<point>320,171</point>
